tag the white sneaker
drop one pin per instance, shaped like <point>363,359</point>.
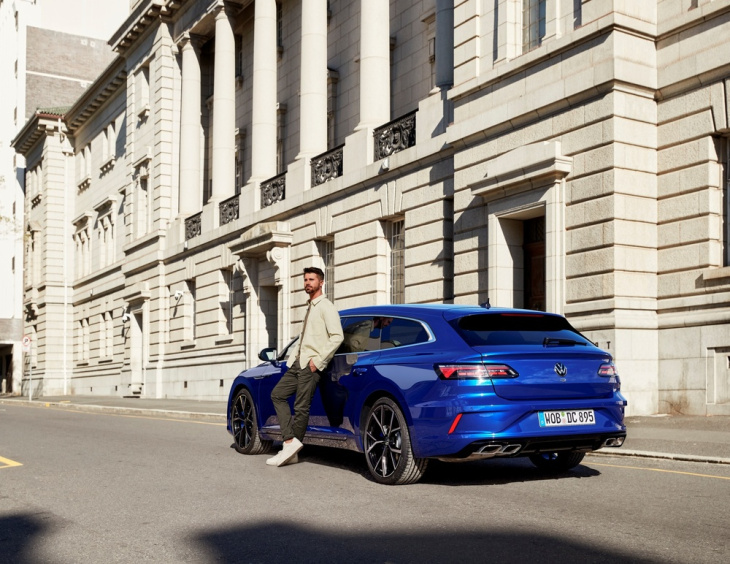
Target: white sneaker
<point>274,460</point>
<point>293,460</point>
<point>289,451</point>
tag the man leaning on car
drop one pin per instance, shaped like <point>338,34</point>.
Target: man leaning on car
<point>321,335</point>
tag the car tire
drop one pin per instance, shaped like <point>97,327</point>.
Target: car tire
<point>244,424</point>
<point>557,461</point>
<point>387,444</point>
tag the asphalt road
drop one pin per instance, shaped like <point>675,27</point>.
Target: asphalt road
<point>91,487</point>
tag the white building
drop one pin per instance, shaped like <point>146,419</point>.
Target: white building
<point>50,52</point>
<point>566,156</point>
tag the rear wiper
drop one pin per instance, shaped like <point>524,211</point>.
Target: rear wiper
<point>549,341</point>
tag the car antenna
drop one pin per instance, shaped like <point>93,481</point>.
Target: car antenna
<point>486,304</point>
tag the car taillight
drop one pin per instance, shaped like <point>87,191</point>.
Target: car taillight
<point>474,371</point>
<point>607,370</point>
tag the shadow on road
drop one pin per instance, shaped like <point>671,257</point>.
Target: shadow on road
<point>17,536</point>
<point>286,542</point>
<point>486,472</point>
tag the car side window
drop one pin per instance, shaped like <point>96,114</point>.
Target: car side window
<point>397,332</point>
<point>356,331</point>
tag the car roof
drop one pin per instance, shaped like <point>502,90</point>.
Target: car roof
<point>422,311</point>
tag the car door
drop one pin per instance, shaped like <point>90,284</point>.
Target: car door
<point>347,373</point>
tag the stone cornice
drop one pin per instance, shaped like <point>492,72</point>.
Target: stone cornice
<point>109,82</point>
<point>37,127</point>
<point>143,16</point>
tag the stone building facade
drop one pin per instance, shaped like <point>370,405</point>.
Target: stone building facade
<point>50,52</point>
<point>560,155</point>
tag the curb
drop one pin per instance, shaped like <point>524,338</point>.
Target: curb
<point>663,456</point>
<point>138,411</point>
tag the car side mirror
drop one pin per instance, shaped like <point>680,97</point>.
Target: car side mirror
<point>268,354</point>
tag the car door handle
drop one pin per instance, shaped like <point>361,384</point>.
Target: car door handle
<point>359,371</point>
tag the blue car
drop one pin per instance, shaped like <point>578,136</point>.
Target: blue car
<point>416,382</point>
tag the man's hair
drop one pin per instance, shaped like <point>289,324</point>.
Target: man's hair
<point>314,270</point>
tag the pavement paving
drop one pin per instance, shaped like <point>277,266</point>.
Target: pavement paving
<point>676,437</point>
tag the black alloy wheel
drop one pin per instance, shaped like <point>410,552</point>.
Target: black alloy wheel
<point>246,435</point>
<point>557,461</point>
<point>387,445</point>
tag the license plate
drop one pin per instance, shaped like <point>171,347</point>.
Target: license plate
<point>565,418</point>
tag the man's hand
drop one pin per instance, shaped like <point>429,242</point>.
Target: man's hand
<point>312,367</point>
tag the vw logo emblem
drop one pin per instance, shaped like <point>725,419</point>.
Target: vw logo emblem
<point>560,369</point>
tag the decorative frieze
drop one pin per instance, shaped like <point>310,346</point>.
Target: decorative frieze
<point>273,190</point>
<point>193,226</point>
<point>395,136</point>
<point>327,166</point>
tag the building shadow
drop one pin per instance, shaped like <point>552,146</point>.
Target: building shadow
<point>17,536</point>
<point>281,541</point>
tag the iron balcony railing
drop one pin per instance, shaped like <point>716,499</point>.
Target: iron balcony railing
<point>193,225</point>
<point>228,210</point>
<point>395,136</point>
<point>273,190</point>
<point>327,166</point>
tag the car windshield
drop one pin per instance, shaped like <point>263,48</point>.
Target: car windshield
<point>517,329</point>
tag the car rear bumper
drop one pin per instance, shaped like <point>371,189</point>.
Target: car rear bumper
<point>531,445</point>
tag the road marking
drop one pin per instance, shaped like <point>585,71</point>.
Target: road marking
<point>7,463</point>
<point>662,470</point>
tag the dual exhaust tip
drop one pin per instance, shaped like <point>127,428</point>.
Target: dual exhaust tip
<point>613,442</point>
<point>489,451</point>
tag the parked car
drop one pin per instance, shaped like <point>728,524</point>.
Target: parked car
<point>412,383</point>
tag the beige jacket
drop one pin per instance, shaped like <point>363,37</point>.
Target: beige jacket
<point>321,336</point>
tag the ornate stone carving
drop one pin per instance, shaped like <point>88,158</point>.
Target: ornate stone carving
<point>327,166</point>
<point>273,190</point>
<point>395,136</point>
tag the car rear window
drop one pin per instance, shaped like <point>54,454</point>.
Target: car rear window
<point>500,329</point>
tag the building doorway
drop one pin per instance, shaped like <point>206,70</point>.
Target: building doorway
<point>533,237</point>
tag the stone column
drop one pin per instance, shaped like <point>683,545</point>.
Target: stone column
<point>313,82</point>
<point>444,44</point>
<point>374,63</point>
<point>224,107</point>
<point>191,198</point>
<point>263,123</point>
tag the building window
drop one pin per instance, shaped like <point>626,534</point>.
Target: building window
<point>726,203</point>
<point>533,23</point>
<point>82,242</point>
<point>142,85</point>
<point>226,300</point>
<point>190,313</point>
<point>279,27</point>
<point>280,132</point>
<point>396,274</point>
<point>240,136</point>
<point>105,237</point>
<point>106,335</point>
<point>109,140</point>
<point>333,78</point>
<point>326,248</point>
<point>83,341</point>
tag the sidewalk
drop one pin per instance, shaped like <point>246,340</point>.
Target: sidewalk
<point>677,437</point>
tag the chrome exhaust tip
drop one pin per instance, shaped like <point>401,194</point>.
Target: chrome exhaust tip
<point>613,442</point>
<point>511,449</point>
